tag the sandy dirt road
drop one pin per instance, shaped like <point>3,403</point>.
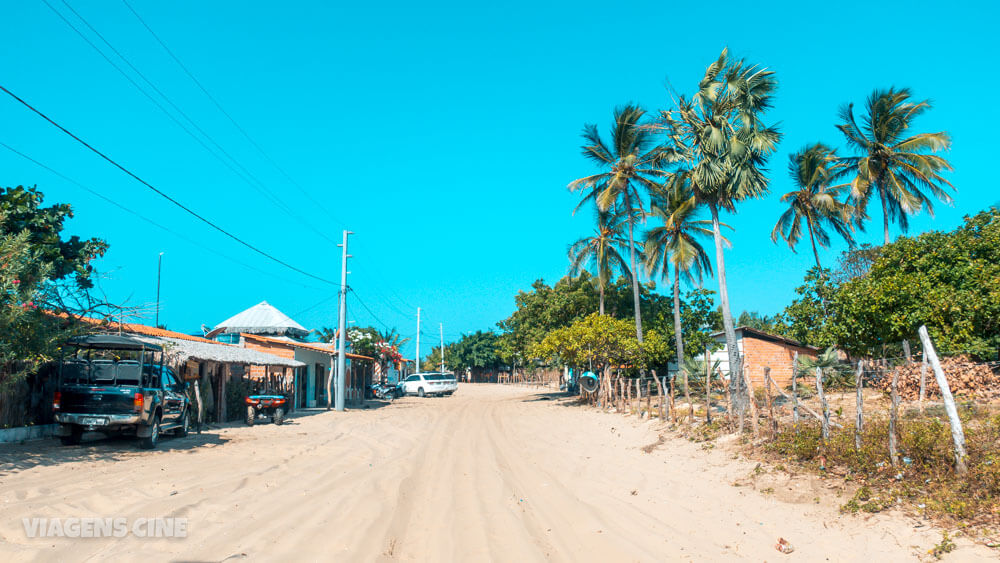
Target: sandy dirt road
<point>491,473</point>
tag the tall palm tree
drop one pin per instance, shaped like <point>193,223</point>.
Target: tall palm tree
<point>601,251</point>
<point>632,163</point>
<point>723,144</point>
<point>815,203</point>
<point>899,169</point>
<point>675,242</point>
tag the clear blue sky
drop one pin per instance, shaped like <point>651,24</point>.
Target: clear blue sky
<point>443,134</point>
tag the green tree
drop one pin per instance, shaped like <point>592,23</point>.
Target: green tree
<point>700,319</point>
<point>601,251</point>
<point>41,273</point>
<point>815,203</point>
<point>599,341</point>
<point>631,161</point>
<point>22,211</point>
<point>676,242</point>
<point>807,319</point>
<point>949,281</point>
<point>363,340</point>
<point>475,351</point>
<point>893,164</point>
<point>722,146</point>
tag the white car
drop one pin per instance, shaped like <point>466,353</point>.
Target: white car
<point>423,384</point>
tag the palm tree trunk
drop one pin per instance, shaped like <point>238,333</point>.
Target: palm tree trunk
<point>600,288</point>
<point>635,278</point>
<point>737,390</point>
<point>678,337</point>
<point>885,215</point>
<point>812,239</point>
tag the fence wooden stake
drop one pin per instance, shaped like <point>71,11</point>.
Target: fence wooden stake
<point>957,435</point>
<point>638,397</point>
<point>673,407</point>
<point>906,351</point>
<point>923,381</point>
<point>754,412</point>
<point>822,401</point>
<point>661,392</point>
<point>894,418</point>
<point>708,387</point>
<point>649,399</point>
<point>795,391</point>
<point>729,403</point>
<point>770,403</point>
<point>803,407</point>
<point>859,421</point>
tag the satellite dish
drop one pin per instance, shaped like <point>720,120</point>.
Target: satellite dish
<point>588,382</point>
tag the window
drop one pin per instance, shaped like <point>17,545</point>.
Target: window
<point>413,378</point>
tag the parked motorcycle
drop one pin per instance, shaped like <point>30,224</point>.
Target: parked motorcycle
<point>384,391</point>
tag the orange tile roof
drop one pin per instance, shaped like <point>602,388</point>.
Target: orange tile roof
<point>315,346</point>
<point>149,330</point>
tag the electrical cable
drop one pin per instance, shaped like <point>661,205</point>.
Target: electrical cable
<point>189,240</point>
<point>242,173</point>
<point>160,192</point>
<point>226,113</point>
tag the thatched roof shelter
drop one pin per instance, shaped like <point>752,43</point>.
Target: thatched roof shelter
<point>179,350</point>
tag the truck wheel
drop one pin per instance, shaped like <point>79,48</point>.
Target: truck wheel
<point>251,415</point>
<point>279,416</point>
<point>420,392</point>
<point>74,438</point>
<point>149,442</point>
<point>183,430</point>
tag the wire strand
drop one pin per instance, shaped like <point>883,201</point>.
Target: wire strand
<point>161,193</point>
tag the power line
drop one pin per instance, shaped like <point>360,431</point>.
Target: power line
<point>373,315</point>
<point>223,111</point>
<point>161,193</point>
<point>242,173</point>
<point>191,241</point>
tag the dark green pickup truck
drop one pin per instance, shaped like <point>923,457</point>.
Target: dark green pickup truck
<point>118,385</point>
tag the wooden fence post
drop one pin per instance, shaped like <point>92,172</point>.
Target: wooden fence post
<point>770,403</point>
<point>754,412</point>
<point>859,421</point>
<point>822,401</point>
<point>923,381</point>
<point>906,351</point>
<point>649,399</point>
<point>795,391</point>
<point>708,386</point>
<point>957,435</point>
<point>894,418</point>
<point>673,406</point>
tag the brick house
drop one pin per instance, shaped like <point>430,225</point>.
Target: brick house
<point>759,350</point>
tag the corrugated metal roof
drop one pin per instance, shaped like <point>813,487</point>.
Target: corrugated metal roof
<point>262,318</point>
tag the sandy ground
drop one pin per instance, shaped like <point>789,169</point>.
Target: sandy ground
<point>491,473</point>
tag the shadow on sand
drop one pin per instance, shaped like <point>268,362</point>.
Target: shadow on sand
<point>95,447</point>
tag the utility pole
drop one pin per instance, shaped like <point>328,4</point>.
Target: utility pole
<point>418,340</point>
<point>341,337</point>
<point>442,347</point>
<point>159,268</point>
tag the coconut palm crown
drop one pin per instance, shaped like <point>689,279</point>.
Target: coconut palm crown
<point>676,241</point>
<point>816,204</point>
<point>631,164</point>
<point>601,251</point>
<point>893,165</point>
